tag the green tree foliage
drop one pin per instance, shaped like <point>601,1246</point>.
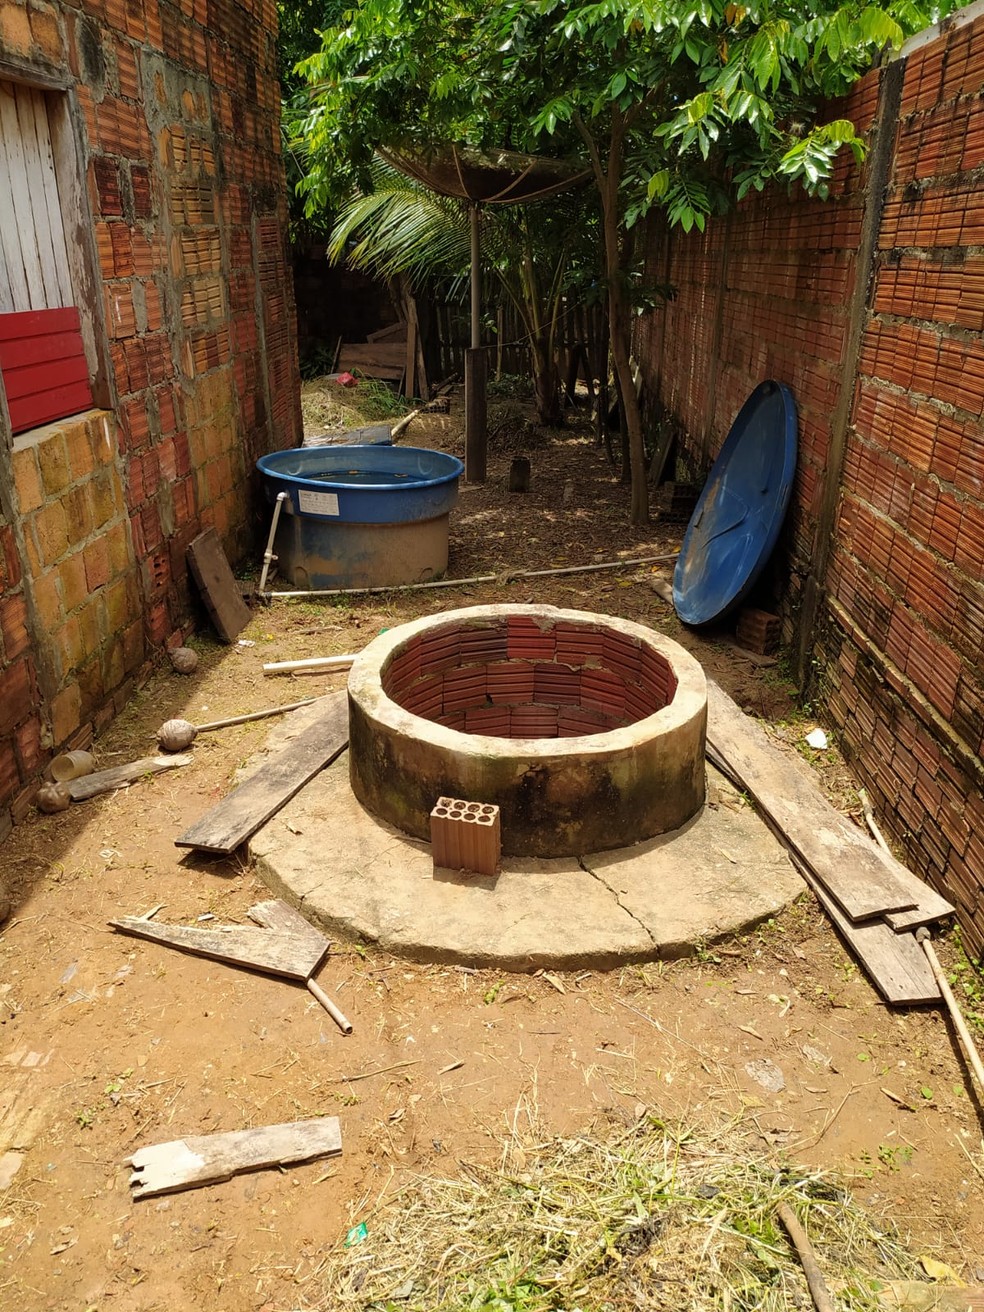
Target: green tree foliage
<point>678,106</point>
<point>539,258</point>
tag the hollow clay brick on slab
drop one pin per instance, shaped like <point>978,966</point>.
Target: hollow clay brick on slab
<point>579,757</point>
<point>465,835</point>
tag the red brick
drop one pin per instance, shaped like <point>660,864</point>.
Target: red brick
<point>13,627</point>
<point>10,778</point>
<point>16,694</point>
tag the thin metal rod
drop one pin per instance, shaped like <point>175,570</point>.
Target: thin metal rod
<point>268,555</point>
<point>254,715</point>
<point>340,1019</point>
<point>507,575</point>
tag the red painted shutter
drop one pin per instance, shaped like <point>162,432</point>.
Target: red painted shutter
<point>45,372</point>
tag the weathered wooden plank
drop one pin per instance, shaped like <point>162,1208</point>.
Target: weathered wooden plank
<point>106,781</point>
<point>223,600</point>
<point>930,906</point>
<point>40,218</point>
<point>252,804</point>
<point>391,353</point>
<point>165,1168</point>
<point>20,195</point>
<point>6,299</point>
<point>894,962</point>
<point>294,956</point>
<point>52,202</point>
<point>396,332</point>
<point>279,915</point>
<point>9,232</point>
<point>847,863</point>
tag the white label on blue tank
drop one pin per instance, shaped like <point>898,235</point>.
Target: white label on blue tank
<point>317,503</point>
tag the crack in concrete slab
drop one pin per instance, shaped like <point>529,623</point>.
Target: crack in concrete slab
<point>618,901</point>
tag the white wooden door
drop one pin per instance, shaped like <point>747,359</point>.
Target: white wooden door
<point>34,267</point>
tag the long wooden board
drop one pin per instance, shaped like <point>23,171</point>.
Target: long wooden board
<point>295,956</point>
<point>894,962</point>
<point>251,805</point>
<point>118,776</point>
<point>220,592</point>
<point>855,873</point>
<point>281,916</point>
<point>165,1168</point>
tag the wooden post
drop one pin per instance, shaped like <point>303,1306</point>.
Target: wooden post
<point>476,415</point>
<point>476,276</point>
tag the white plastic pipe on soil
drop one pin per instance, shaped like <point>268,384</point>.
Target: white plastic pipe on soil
<point>506,575</point>
<point>309,663</point>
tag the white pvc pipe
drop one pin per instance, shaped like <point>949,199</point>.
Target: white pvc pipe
<point>508,575</point>
<point>309,663</point>
<point>268,555</point>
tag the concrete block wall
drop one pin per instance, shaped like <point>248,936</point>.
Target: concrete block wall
<point>871,307</point>
<point>21,724</point>
<point>174,114</point>
<point>81,584</point>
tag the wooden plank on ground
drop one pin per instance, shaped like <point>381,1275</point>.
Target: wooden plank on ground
<point>851,868</point>
<point>107,781</point>
<point>930,906</point>
<point>895,963</point>
<point>251,805</point>
<point>165,1168</point>
<point>295,956</point>
<point>279,915</point>
<point>223,600</point>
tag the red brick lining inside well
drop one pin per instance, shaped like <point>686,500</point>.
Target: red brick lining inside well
<point>517,679</point>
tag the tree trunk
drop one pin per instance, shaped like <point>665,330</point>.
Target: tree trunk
<point>608,176</point>
<point>618,320</point>
<point>546,385</point>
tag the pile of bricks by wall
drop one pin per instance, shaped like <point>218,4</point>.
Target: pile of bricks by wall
<point>871,308</point>
<point>176,110</point>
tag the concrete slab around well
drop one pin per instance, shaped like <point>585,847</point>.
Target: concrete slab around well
<point>357,876</point>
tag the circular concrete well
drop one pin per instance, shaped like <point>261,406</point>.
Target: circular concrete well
<point>586,731</point>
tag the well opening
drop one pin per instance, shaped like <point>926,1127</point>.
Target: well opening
<point>513,676</point>
<point>587,731</point>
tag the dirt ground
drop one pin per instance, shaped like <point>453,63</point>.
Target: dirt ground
<point>109,1043</point>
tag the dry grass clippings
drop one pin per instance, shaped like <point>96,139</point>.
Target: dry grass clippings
<point>659,1217</point>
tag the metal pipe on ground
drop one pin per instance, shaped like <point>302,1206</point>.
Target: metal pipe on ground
<point>506,576</point>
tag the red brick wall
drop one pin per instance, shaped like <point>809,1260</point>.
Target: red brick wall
<point>176,111</point>
<point>762,294</point>
<point>899,643</point>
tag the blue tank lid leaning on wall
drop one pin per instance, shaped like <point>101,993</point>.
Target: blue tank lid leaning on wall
<point>736,523</point>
